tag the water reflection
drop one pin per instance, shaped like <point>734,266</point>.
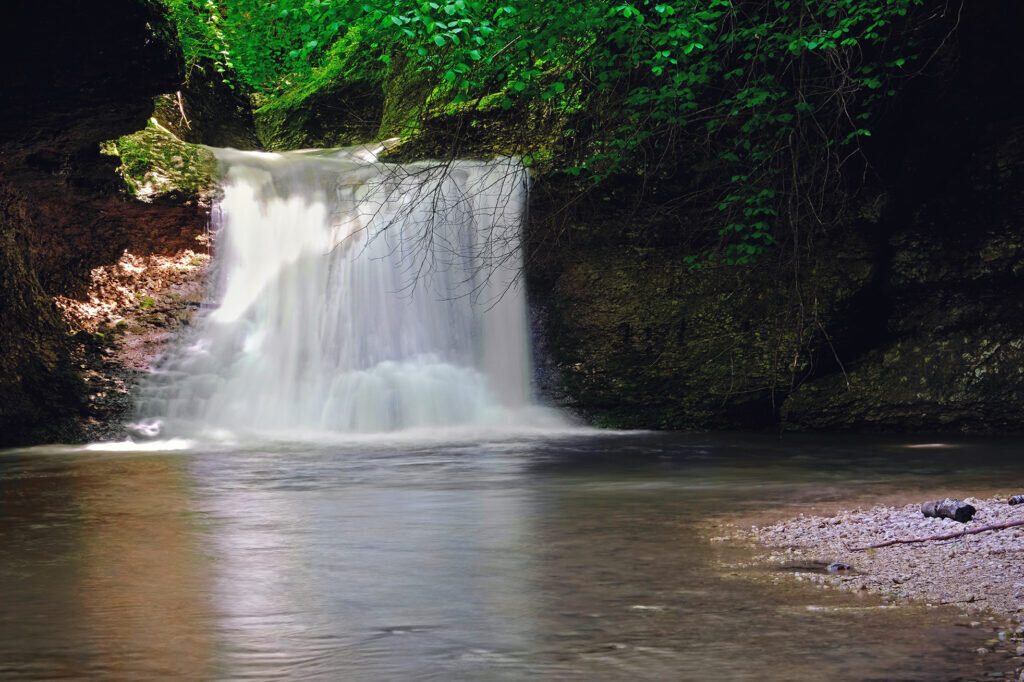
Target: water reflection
<point>142,576</point>
<point>101,573</point>
<point>355,581</point>
<point>579,558</point>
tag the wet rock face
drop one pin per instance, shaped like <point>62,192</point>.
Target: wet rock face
<point>74,74</point>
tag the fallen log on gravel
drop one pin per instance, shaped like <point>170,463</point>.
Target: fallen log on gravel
<point>950,536</point>
<point>948,509</point>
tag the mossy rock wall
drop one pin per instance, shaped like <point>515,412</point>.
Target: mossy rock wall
<point>337,115</point>
<point>641,340</point>
<point>910,321</point>
<point>206,110</point>
<point>952,357</point>
<point>343,104</point>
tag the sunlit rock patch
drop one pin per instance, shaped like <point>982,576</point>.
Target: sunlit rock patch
<point>154,162</point>
<point>123,321</point>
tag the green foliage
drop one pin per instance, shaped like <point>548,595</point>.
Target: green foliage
<point>145,302</point>
<point>776,95</point>
<point>200,25</point>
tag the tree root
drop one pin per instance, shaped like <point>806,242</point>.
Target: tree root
<point>951,536</point>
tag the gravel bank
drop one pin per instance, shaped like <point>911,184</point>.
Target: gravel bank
<point>985,571</point>
<point>982,574</point>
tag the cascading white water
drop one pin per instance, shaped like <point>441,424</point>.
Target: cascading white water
<point>355,296</point>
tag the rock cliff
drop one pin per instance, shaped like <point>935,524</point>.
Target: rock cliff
<point>75,74</point>
<point>908,316</point>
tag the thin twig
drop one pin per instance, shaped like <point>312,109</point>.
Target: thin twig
<point>973,531</point>
<point>181,108</point>
<point>508,45</point>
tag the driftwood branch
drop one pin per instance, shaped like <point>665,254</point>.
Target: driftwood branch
<point>951,536</point>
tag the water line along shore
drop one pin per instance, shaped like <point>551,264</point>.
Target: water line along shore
<point>983,573</point>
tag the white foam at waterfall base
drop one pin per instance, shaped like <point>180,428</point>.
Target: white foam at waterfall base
<point>351,296</point>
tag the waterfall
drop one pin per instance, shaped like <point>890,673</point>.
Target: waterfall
<point>354,296</point>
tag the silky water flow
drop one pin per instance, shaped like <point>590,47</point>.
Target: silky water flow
<point>353,296</point>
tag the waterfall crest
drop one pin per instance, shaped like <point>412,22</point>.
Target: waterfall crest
<point>354,296</point>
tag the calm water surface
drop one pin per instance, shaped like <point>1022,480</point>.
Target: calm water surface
<point>571,558</point>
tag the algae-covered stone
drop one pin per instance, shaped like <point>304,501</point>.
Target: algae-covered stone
<point>155,162</point>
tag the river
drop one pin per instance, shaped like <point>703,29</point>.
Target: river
<point>562,557</point>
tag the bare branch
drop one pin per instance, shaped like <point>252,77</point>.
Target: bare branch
<point>951,536</point>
